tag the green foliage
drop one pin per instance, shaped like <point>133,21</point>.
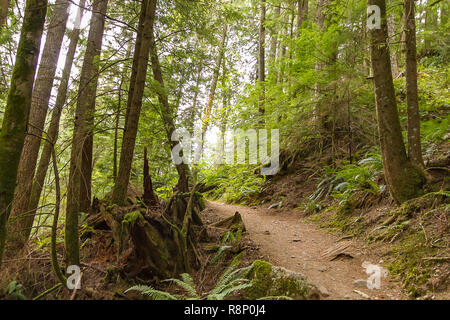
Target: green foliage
<point>236,184</point>
<point>14,291</point>
<point>232,280</point>
<point>229,237</point>
<point>341,183</point>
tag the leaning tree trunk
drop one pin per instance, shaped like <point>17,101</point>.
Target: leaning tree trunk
<point>135,95</point>
<point>85,102</point>
<point>412,99</point>
<point>53,128</point>
<point>166,114</point>
<point>403,178</point>
<point>39,106</point>
<point>14,126</point>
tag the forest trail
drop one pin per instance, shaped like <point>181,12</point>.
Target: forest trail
<point>285,239</point>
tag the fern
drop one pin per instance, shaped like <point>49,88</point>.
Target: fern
<point>187,283</point>
<point>153,293</point>
<point>230,281</point>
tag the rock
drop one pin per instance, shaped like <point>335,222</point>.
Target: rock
<point>323,291</point>
<point>268,280</point>
<point>362,294</point>
<point>296,240</point>
<point>276,205</point>
<point>267,232</point>
<point>360,283</point>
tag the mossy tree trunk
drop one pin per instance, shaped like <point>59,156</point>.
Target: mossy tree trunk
<point>39,106</point>
<point>82,130</point>
<point>412,99</point>
<point>135,94</point>
<point>404,179</point>
<point>14,126</point>
<point>53,129</point>
<point>167,115</point>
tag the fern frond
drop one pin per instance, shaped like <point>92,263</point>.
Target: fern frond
<point>153,293</point>
<point>187,284</point>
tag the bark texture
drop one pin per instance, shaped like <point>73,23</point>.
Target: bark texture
<point>403,178</point>
<point>136,92</point>
<point>82,130</point>
<point>40,100</point>
<point>412,99</point>
<point>53,129</point>
<point>167,115</point>
<point>18,104</point>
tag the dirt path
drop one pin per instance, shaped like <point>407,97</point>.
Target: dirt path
<point>285,239</point>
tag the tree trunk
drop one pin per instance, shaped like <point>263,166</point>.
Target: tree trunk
<point>154,243</point>
<point>274,36</point>
<point>82,129</point>
<point>412,99</point>
<point>317,111</point>
<point>53,129</point>
<point>38,112</point>
<point>391,34</point>
<point>150,198</point>
<point>143,44</point>
<point>215,79</point>
<point>4,8</point>
<point>166,114</point>
<point>403,178</point>
<point>262,57</point>
<point>18,104</point>
<point>301,14</point>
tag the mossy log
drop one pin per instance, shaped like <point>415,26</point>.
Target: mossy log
<point>155,242</point>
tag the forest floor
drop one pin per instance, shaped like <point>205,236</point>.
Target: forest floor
<point>287,239</point>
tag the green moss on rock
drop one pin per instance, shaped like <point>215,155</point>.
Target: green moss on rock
<point>272,281</point>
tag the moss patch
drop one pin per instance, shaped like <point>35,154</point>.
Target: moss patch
<point>270,281</point>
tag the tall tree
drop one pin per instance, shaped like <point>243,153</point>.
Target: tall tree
<point>135,94</point>
<point>15,119</point>
<point>274,35</point>
<point>403,178</point>
<point>412,99</point>
<point>39,106</point>
<point>82,130</point>
<point>262,56</point>
<point>53,128</point>
<point>215,79</point>
<point>167,114</point>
